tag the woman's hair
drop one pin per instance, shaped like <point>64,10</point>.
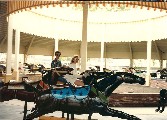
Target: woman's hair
<point>72,60</point>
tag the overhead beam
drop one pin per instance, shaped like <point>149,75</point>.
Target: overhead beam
<point>159,53</point>
<point>44,42</point>
<point>63,41</point>
<point>70,43</point>
<point>3,41</point>
<point>93,45</point>
<point>25,37</point>
<point>38,41</point>
<point>29,46</point>
<point>73,43</point>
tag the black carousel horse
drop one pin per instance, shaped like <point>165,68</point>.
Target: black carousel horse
<point>23,91</point>
<point>87,99</point>
<point>2,68</point>
<point>32,68</point>
<point>162,101</point>
<point>163,73</point>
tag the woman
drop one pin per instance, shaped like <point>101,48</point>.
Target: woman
<point>75,78</point>
<point>75,65</point>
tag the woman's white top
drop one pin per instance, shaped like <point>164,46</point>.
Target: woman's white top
<point>75,72</point>
<point>75,67</point>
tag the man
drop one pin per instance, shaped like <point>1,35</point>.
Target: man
<point>56,62</point>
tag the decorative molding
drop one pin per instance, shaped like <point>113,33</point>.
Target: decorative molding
<point>16,6</point>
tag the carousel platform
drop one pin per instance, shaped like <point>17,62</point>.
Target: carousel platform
<point>134,95</point>
<point>51,118</point>
<point>134,100</point>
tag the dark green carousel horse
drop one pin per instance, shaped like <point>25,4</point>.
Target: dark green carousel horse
<point>88,99</point>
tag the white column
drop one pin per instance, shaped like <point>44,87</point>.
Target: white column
<point>149,45</point>
<point>84,38</point>
<point>9,46</point>
<point>105,55</point>
<point>102,50</point>
<point>56,44</point>
<point>56,47</point>
<point>56,37</point>
<point>17,49</point>
<point>102,56</point>
<point>148,77</point>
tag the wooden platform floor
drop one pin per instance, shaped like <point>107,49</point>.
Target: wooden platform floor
<point>50,118</point>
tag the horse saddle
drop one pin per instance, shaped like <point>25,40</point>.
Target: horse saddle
<point>16,85</point>
<point>62,92</point>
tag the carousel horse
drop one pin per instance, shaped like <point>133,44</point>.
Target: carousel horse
<point>162,101</point>
<point>34,68</point>
<point>163,73</point>
<point>87,99</point>
<point>77,100</point>
<point>13,89</point>
<point>2,68</point>
<point>21,90</point>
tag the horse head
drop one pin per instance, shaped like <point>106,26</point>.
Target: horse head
<point>109,83</point>
<point>131,78</point>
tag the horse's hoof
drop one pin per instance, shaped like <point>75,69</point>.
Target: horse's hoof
<point>156,110</point>
<point>161,111</point>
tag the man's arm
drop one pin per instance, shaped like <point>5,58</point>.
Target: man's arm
<point>52,64</point>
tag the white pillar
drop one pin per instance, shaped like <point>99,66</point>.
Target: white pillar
<point>105,55</point>
<point>84,38</point>
<point>102,50</point>
<point>17,48</point>
<point>149,44</point>
<point>102,56</point>
<point>9,46</point>
<point>148,77</point>
<point>56,44</point>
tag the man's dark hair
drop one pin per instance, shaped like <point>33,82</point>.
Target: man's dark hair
<point>58,52</point>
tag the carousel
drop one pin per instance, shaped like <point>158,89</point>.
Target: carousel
<point>101,22</point>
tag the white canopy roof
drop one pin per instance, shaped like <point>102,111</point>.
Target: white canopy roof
<point>111,24</point>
